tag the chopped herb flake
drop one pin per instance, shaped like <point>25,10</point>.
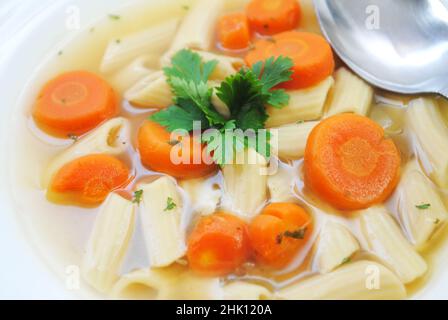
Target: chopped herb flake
<point>423,206</point>
<point>137,196</point>
<point>114,17</point>
<point>297,234</point>
<point>73,137</point>
<point>170,205</point>
<point>346,260</point>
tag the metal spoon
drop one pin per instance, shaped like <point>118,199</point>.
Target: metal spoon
<point>397,45</point>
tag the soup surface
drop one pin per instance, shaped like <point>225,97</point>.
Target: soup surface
<point>345,199</point>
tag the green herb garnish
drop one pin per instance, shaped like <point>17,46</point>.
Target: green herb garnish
<point>170,205</point>
<point>246,94</point>
<point>114,17</point>
<point>423,206</point>
<point>137,196</point>
<point>346,260</point>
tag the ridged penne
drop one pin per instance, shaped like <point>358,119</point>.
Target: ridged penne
<point>292,139</point>
<point>152,91</point>
<point>174,282</point>
<point>110,138</point>
<point>430,135</point>
<point>197,28</point>
<point>240,290</point>
<point>204,195</point>
<point>161,213</point>
<point>281,184</point>
<point>350,94</point>
<point>420,207</point>
<point>304,104</point>
<point>335,246</point>
<point>154,40</point>
<point>361,280</point>
<point>386,241</point>
<point>132,73</point>
<point>245,183</point>
<point>108,243</point>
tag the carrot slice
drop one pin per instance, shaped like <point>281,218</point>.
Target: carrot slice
<point>349,163</point>
<point>74,103</point>
<point>89,179</point>
<point>218,245</point>
<point>157,151</point>
<point>312,56</point>
<point>278,233</point>
<point>269,17</point>
<point>233,31</point>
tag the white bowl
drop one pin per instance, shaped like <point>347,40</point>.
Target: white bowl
<point>29,29</point>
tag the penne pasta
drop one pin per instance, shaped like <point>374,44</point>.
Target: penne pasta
<point>174,282</point>
<point>359,280</point>
<point>304,104</point>
<point>132,73</point>
<point>153,91</point>
<point>161,213</point>
<point>430,134</point>
<point>108,243</point>
<point>386,240</point>
<point>204,195</point>
<point>350,94</point>
<point>154,40</point>
<point>245,184</point>
<point>292,139</point>
<point>420,207</point>
<point>197,28</point>
<point>112,137</point>
<point>241,290</point>
<point>281,184</point>
<point>335,246</point>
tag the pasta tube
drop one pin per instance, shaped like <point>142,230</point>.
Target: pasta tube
<point>241,290</point>
<point>245,183</point>
<point>431,138</point>
<point>132,73</point>
<point>174,282</point>
<point>335,246</point>
<point>281,184</point>
<point>152,91</point>
<point>204,195</point>
<point>110,138</point>
<point>197,28</point>
<point>304,104</point>
<point>350,94</point>
<point>420,206</point>
<point>108,243</point>
<point>292,139</point>
<point>161,220</point>
<point>386,240</point>
<point>154,40</point>
<point>361,280</point>
<point>226,66</point>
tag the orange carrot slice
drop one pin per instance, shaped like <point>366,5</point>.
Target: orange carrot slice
<point>349,163</point>
<point>156,152</point>
<point>311,54</point>
<point>233,31</point>
<point>278,233</point>
<point>74,103</point>
<point>269,17</point>
<point>89,179</point>
<point>218,245</point>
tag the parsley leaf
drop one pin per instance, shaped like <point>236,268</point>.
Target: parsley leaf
<point>170,205</point>
<point>137,196</point>
<point>423,206</point>
<point>187,65</point>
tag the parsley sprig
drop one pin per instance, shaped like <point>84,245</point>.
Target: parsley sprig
<point>245,93</point>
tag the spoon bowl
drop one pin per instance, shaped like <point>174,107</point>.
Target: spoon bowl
<point>399,45</point>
